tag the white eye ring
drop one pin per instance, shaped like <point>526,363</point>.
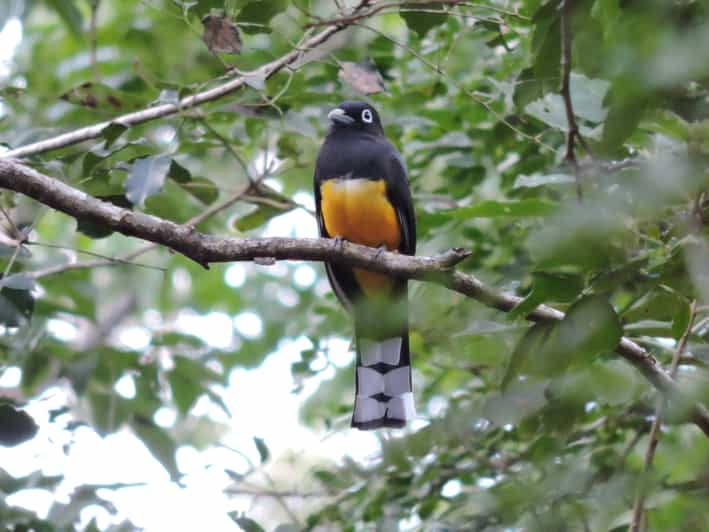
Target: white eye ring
<point>367,116</point>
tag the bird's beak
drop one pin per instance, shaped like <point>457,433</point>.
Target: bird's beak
<point>338,116</point>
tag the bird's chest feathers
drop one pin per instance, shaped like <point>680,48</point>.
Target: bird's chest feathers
<point>359,211</point>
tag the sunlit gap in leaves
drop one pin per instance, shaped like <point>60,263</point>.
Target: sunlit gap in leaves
<point>214,328</point>
<point>10,377</point>
<point>134,337</point>
<point>10,38</point>
<point>165,417</point>
<point>248,324</point>
<point>452,488</point>
<point>125,387</point>
<point>85,463</point>
<point>62,330</point>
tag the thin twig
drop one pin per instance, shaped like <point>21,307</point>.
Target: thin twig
<point>637,522</point>
<point>395,6</point>
<point>12,260</point>
<point>228,147</point>
<point>16,233</point>
<point>572,132</point>
<point>118,260</point>
<point>93,40</point>
<point>277,493</point>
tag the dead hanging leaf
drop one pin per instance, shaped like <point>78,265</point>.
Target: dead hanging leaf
<point>100,96</point>
<point>220,34</point>
<point>363,77</point>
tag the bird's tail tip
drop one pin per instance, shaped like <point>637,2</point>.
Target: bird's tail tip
<point>384,395</point>
<point>383,411</point>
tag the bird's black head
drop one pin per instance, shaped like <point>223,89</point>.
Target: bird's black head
<point>357,116</point>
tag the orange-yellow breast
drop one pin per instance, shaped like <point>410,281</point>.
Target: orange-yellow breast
<point>359,211</point>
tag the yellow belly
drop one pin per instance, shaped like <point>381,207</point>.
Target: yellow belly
<point>359,211</point>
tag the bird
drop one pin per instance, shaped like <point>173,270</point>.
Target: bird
<point>363,195</point>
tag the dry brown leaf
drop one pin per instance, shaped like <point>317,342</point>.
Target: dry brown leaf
<point>220,34</point>
<point>363,77</point>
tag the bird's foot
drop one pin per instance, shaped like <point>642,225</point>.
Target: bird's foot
<point>338,242</point>
<point>382,248</point>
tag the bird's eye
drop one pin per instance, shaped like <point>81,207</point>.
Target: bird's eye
<point>367,116</point>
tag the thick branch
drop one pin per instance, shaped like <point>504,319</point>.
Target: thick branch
<point>206,249</point>
<point>151,113</point>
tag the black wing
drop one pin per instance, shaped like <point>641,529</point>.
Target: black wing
<point>399,193</point>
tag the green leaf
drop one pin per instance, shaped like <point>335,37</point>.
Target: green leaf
<point>247,524</point>
<point>613,381</point>
<point>188,380</point>
<point>587,97</point>
<point>422,21</point>
<point>70,15</point>
<point>255,16</point>
<point>326,477</point>
<point>549,288</point>
<point>529,345</point>
<point>607,12</point>
<point>546,47</point>
<point>185,390</point>
<point>626,107</point>
<point>35,369</point>
<point>591,327</point>
<point>518,400</point>
<point>202,188</point>
<point>91,160</point>
<point>513,209</point>
<point>257,218</point>
<point>147,176</point>
<point>262,449</point>
<point>179,173</point>
<point>16,307</point>
<point>680,322</point>
<point>584,238</point>
<point>112,131</point>
<point>527,88</point>
<point>159,443</point>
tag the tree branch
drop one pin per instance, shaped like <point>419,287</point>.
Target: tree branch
<point>206,249</point>
<point>159,111</point>
<point>637,521</point>
<point>572,132</point>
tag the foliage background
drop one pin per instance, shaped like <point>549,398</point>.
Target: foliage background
<point>472,103</point>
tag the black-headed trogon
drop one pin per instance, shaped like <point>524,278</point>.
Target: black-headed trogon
<point>362,195</point>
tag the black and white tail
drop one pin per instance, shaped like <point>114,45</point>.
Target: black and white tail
<point>384,396</point>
